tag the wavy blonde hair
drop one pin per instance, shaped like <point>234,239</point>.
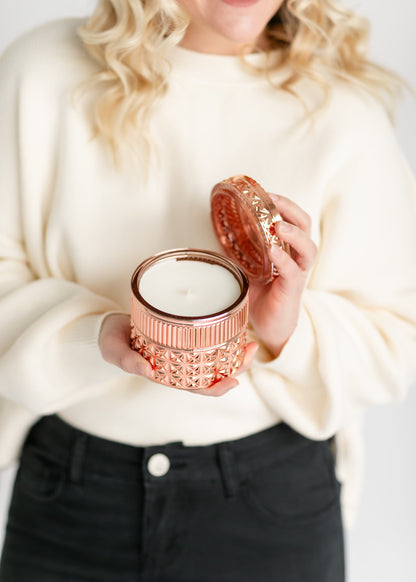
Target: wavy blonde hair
<point>130,40</point>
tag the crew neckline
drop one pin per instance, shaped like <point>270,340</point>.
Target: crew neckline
<point>213,68</point>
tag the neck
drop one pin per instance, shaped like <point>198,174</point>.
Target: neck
<point>217,45</point>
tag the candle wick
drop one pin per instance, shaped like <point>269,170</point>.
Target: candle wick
<point>188,292</point>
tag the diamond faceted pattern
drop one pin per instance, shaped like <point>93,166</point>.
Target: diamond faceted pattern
<point>187,369</point>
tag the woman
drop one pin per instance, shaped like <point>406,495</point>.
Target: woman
<point>113,133</point>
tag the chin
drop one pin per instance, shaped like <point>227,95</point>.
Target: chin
<point>242,36</point>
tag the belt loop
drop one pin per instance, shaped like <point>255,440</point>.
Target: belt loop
<point>226,462</point>
<point>76,461</point>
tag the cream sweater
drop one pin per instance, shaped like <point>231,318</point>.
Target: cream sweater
<point>73,229</point>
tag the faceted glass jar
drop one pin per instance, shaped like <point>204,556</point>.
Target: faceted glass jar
<point>190,352</point>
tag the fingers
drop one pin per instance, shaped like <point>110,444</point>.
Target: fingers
<point>250,351</point>
<point>218,389</point>
<point>303,249</point>
<point>114,343</point>
<point>294,229</point>
<point>133,363</point>
<point>226,384</point>
<point>292,213</point>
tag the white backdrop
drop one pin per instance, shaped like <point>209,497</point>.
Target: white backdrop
<point>380,548</point>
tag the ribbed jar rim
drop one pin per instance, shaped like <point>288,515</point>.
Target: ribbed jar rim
<point>186,332</point>
<point>192,254</point>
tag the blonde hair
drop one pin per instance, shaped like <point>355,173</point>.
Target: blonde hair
<point>130,40</point>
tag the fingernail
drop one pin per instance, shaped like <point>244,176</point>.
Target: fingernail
<point>276,250</point>
<point>284,226</point>
<point>144,368</point>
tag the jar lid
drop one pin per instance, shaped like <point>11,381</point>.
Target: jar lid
<point>243,216</point>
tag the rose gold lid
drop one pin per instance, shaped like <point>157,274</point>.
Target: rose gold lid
<point>243,216</point>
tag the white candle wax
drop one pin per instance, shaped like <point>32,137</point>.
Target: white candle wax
<point>189,288</point>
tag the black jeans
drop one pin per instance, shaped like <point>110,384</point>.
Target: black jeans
<point>264,508</point>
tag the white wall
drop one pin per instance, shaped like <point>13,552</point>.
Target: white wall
<point>381,545</point>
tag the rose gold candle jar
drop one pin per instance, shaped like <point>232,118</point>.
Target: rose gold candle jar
<point>194,350</point>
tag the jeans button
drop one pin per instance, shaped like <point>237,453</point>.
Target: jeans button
<point>158,465</point>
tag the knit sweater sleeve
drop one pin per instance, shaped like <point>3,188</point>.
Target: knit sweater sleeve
<point>355,342</point>
<point>49,355</point>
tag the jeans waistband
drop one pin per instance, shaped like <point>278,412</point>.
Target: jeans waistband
<point>83,453</point>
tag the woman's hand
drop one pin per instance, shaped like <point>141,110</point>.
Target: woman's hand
<point>274,308</point>
<point>114,343</point>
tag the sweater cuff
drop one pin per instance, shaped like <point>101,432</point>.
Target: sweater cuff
<point>79,344</point>
<point>62,372</point>
<point>297,361</point>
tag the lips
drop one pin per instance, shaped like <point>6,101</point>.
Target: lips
<point>240,3</point>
